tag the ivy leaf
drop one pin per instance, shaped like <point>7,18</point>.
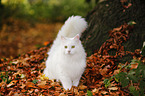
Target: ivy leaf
<point>131,23</point>
<point>35,81</point>
<point>89,93</point>
<point>133,61</point>
<point>124,82</point>
<point>122,75</point>
<point>131,88</point>
<point>123,79</point>
<point>22,76</point>
<point>107,82</point>
<point>133,91</point>
<point>142,84</point>
<point>133,78</point>
<point>116,79</point>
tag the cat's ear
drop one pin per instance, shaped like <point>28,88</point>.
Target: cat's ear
<point>63,38</point>
<point>77,37</point>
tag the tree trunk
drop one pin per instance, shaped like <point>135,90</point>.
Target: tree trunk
<point>0,16</point>
<point>111,14</point>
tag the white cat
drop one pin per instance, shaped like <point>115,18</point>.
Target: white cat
<point>67,58</point>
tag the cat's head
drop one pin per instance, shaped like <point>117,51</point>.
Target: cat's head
<point>70,45</point>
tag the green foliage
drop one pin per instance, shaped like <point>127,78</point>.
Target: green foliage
<point>131,23</point>
<point>5,77</point>
<point>35,81</point>
<point>107,82</point>
<point>133,78</point>
<point>89,93</point>
<point>50,10</point>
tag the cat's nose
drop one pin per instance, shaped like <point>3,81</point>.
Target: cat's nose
<point>69,51</point>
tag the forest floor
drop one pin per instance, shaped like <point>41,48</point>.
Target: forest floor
<point>22,75</point>
<point>19,36</point>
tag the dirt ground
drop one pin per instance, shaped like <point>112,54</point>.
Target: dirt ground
<point>18,37</point>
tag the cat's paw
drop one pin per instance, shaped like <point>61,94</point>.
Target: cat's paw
<point>67,87</point>
<point>76,83</point>
<point>45,72</point>
<point>66,82</point>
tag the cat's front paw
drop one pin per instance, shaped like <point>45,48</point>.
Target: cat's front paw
<point>67,87</point>
<point>76,83</point>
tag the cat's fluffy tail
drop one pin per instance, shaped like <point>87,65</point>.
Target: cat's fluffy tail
<point>73,25</point>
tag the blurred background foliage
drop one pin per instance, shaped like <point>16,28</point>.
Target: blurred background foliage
<point>26,24</point>
<point>46,10</point>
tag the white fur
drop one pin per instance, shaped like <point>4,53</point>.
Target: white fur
<point>67,64</point>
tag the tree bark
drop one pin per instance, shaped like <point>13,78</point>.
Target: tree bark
<point>111,14</point>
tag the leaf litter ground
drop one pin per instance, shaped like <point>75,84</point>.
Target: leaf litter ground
<point>23,75</point>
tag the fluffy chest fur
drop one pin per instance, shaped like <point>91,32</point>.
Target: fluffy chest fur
<point>71,66</point>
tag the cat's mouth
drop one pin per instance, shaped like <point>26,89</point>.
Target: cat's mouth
<point>69,52</point>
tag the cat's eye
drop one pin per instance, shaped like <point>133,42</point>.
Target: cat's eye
<point>72,46</point>
<point>65,46</point>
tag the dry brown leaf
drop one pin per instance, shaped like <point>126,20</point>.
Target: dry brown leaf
<point>22,86</point>
<point>23,90</point>
<point>30,84</point>
<point>42,84</point>
<point>1,65</point>
<point>12,83</point>
<point>2,83</point>
<point>62,94</point>
<point>10,93</point>
<point>104,92</point>
<point>113,88</point>
<point>30,91</point>
<point>95,90</point>
<point>134,66</point>
<point>82,87</point>
<point>76,91</point>
<point>116,72</point>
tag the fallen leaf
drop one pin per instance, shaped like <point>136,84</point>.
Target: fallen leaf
<point>42,84</point>
<point>134,66</point>
<point>30,91</point>
<point>10,93</point>
<point>30,84</point>
<point>82,87</point>
<point>1,65</point>
<point>22,86</point>
<point>46,43</point>
<point>117,29</point>
<point>3,83</point>
<point>95,90</point>
<point>113,88</point>
<point>43,77</point>
<point>23,90</point>
<point>116,71</point>
<point>76,91</point>
<point>104,92</point>
<point>22,76</point>
<point>12,83</point>
<point>62,94</point>
<point>15,62</point>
